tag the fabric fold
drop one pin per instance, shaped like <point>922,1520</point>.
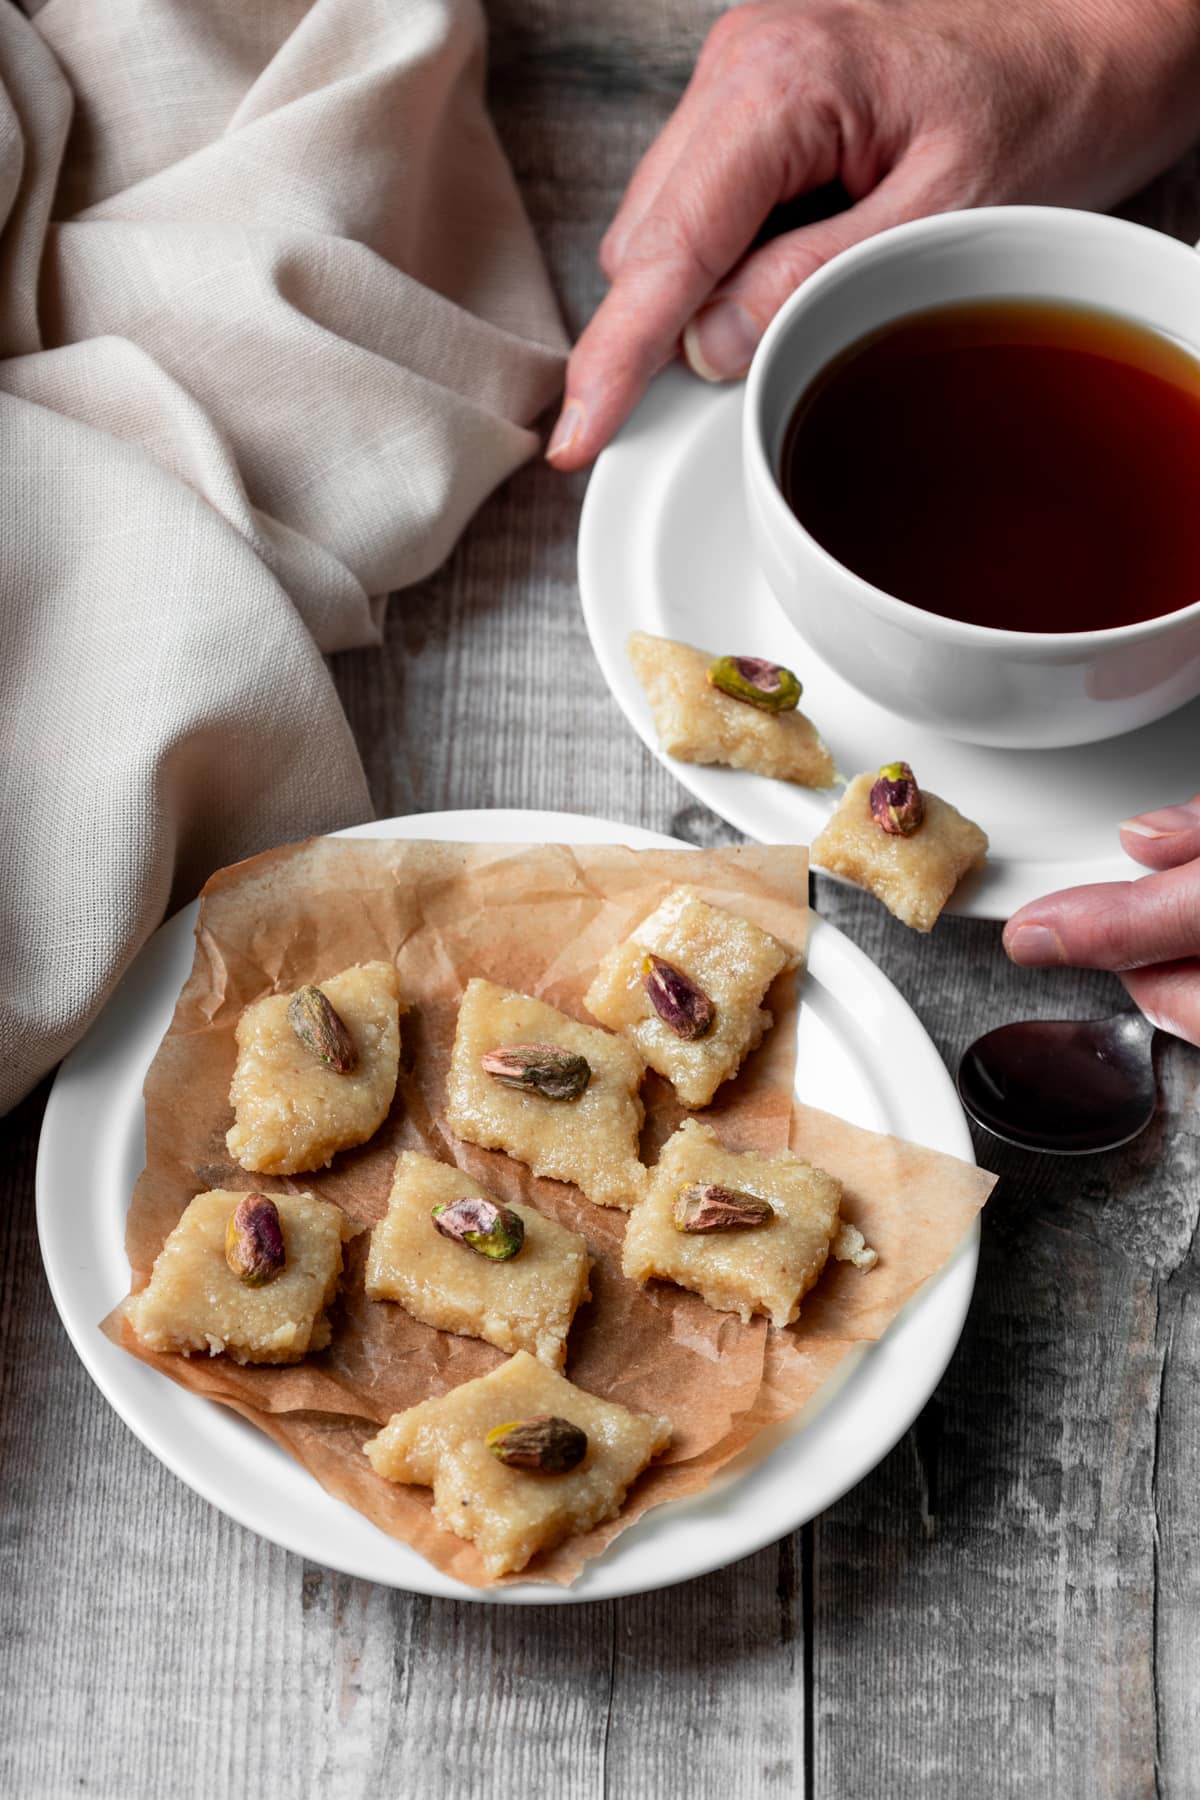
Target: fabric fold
<point>273,323</point>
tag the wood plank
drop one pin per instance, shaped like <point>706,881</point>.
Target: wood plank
<point>998,1571</point>
<point>708,1693</point>
<point>1175,1476</point>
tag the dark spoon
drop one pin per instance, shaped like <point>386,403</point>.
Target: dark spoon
<point>1066,1086</point>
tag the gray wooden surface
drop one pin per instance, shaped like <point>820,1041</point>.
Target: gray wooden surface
<point>1008,1605</point>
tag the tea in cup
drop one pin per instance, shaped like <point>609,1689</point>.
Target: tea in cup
<point>972,463</point>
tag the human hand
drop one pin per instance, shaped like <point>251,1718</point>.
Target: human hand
<point>915,106</point>
<point>1146,931</point>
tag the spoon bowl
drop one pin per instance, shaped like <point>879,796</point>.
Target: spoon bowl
<point>1065,1086</point>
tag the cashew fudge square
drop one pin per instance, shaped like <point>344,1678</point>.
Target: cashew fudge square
<point>512,1513</point>
<point>729,960</point>
<point>913,876</point>
<point>697,723</point>
<point>195,1303</point>
<point>294,1112</point>
<point>525,1302</point>
<point>592,1139</point>
<point>767,1268</point>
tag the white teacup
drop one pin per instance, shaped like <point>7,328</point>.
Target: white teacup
<point>1028,690</point>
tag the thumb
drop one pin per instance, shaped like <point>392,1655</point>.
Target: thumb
<point>1116,925</point>
<point>721,339</point>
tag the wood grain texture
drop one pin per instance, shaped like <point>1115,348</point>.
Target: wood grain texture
<point>1008,1605</point>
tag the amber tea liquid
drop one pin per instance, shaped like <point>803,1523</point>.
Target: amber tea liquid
<point>1012,463</point>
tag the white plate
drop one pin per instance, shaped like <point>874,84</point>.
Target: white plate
<point>862,1053</point>
<point>663,547</point>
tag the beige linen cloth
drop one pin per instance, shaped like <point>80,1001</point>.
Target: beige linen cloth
<point>272,324</point>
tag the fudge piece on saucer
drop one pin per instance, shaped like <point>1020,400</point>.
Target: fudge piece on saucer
<point>687,988</point>
<point>903,844</point>
<point>738,711</point>
<point>519,1459</point>
<point>316,1070</point>
<point>557,1095</point>
<point>457,1259</point>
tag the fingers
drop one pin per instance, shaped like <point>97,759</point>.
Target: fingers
<point>664,283</point>
<point>1169,995</point>
<point>1166,838</point>
<point>722,186</point>
<point>721,339</point>
<point>653,172</point>
<point>649,178</point>
<point>1111,925</point>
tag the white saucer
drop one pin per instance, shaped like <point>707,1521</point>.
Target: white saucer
<point>861,1052</point>
<point>663,547</point>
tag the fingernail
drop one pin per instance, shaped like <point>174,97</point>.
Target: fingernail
<point>1165,822</point>
<point>570,422</point>
<point>1035,945</point>
<point>720,341</point>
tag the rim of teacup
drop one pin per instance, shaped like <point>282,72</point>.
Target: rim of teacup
<point>842,268</point>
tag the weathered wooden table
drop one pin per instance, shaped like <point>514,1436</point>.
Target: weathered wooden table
<point>1009,1604</point>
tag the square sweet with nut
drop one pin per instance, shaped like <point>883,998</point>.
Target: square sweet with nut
<point>748,1232</point>
<point>903,844</point>
<point>456,1258</point>
<point>736,711</point>
<point>519,1459</point>
<point>247,1275</point>
<point>687,989</point>
<point>316,1070</point>
<point>557,1095</point>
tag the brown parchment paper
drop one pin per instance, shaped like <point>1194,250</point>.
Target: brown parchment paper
<point>537,919</point>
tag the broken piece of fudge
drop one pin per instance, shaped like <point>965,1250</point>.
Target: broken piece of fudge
<point>519,1459</point>
<point>687,988</point>
<point>747,1231</point>
<point>231,1278</point>
<point>316,1070</point>
<point>457,1259</point>
<point>559,1096</point>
